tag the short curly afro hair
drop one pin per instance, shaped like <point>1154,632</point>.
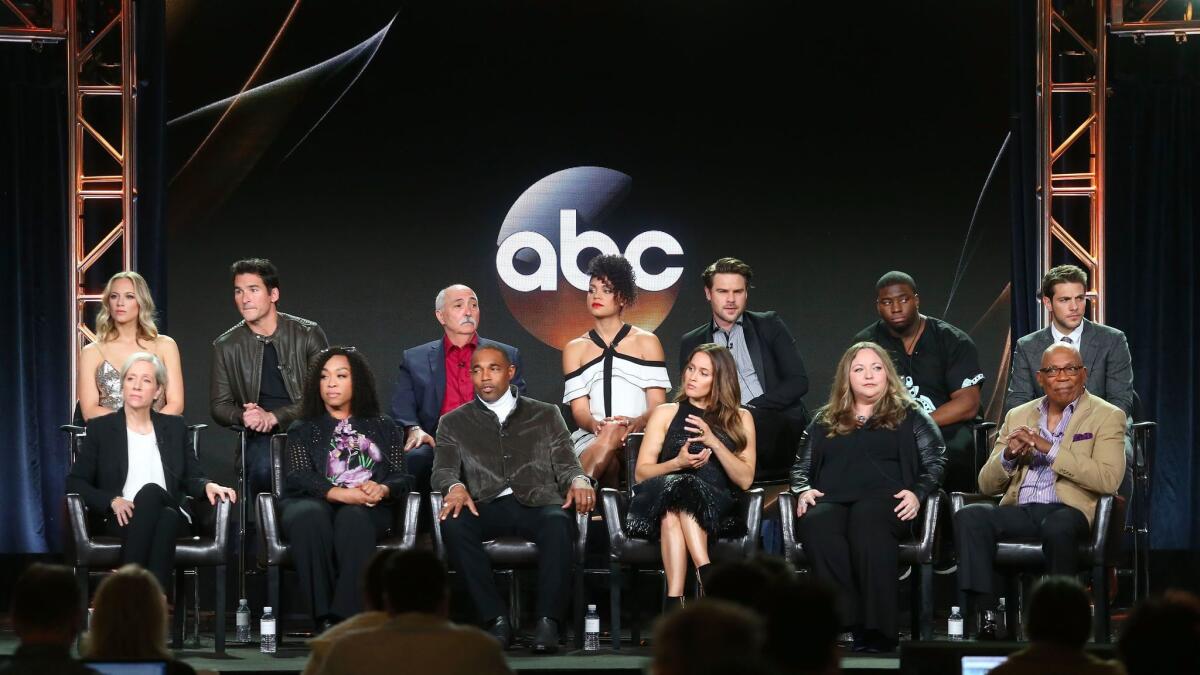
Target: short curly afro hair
<point>617,271</point>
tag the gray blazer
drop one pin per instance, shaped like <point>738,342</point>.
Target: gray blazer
<point>1105,354</point>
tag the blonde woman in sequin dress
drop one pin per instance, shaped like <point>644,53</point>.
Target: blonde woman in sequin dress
<point>124,326</point>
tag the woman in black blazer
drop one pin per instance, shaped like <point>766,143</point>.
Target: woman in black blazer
<point>137,467</point>
<point>343,469</point>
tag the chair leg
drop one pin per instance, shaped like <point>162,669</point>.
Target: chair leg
<point>614,598</point>
<point>514,601</point>
<point>923,612</point>
<point>81,581</point>
<point>1100,623</point>
<point>274,581</point>
<point>635,609</point>
<point>195,574</point>
<point>179,619</point>
<point>1013,605</point>
<point>219,611</point>
<point>579,608</point>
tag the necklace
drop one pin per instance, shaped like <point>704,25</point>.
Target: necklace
<point>909,345</point>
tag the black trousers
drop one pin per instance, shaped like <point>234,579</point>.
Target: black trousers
<point>777,436</point>
<point>961,473</point>
<point>552,528</point>
<point>978,526</point>
<point>331,545</point>
<point>419,464</point>
<point>855,547</point>
<point>148,539</point>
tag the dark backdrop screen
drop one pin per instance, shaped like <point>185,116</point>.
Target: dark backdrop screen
<point>378,152</point>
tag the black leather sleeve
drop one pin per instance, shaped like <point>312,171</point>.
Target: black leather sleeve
<point>801,479</point>
<point>931,455</point>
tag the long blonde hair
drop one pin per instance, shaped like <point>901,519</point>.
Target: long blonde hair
<point>106,326</point>
<point>130,617</point>
<point>891,408</point>
<point>723,410</point>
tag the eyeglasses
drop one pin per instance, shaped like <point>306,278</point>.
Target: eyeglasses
<point>888,302</point>
<point>1053,371</point>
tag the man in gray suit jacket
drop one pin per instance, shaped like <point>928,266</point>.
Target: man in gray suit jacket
<point>1105,351</point>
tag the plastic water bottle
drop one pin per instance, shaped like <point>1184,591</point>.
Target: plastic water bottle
<point>591,630</point>
<point>243,621</point>
<point>266,631</point>
<point>954,626</point>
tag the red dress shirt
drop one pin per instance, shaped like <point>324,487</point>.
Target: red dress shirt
<point>459,388</point>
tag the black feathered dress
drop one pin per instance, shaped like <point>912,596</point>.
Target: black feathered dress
<point>706,493</point>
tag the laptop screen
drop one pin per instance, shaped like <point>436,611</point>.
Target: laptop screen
<point>980,665</point>
<point>128,667</point>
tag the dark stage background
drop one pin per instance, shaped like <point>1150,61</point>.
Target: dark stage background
<point>823,159</point>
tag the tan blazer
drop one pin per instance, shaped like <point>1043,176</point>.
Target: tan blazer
<point>1090,461</point>
<point>417,643</point>
<point>1041,658</point>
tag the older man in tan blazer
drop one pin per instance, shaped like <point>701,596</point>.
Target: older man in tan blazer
<point>1053,459</point>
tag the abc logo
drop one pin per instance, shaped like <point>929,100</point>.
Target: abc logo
<point>547,239</point>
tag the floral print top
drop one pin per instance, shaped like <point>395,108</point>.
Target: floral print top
<point>324,453</point>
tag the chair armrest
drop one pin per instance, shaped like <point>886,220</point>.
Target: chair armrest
<point>197,427</point>
<point>435,507</point>
<point>270,536</point>
<point>77,517</point>
<point>76,429</point>
<point>581,524</point>
<point>221,525</point>
<point>614,504</point>
<point>750,508</point>
<point>930,515</point>
<point>1143,455</point>
<point>1108,524</point>
<point>404,519</point>
<point>787,521</point>
<point>961,499</point>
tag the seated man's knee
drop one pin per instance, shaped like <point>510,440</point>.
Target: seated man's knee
<point>1065,524</point>
<point>972,515</point>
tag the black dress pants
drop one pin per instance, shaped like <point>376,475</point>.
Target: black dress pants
<point>331,545</point>
<point>977,527</point>
<point>777,435</point>
<point>148,539</point>
<point>855,547</point>
<point>552,528</point>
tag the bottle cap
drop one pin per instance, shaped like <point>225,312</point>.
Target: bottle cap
<point>242,600</point>
<point>266,610</point>
<point>591,608</point>
<point>953,609</point>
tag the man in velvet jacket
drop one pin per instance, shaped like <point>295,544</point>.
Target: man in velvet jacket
<point>771,374</point>
<point>434,378</point>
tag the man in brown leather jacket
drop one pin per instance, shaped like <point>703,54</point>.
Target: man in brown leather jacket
<point>259,366</point>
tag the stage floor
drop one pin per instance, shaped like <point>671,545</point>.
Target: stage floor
<point>292,655</point>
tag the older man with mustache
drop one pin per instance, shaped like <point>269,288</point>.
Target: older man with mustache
<point>435,377</point>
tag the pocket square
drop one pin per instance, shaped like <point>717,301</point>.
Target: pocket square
<point>1081,437</point>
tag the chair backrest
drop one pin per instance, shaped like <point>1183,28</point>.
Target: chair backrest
<point>633,444</point>
<point>278,445</point>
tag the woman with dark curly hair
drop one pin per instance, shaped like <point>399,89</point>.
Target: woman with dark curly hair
<point>864,467</point>
<point>615,374</point>
<point>697,453</point>
<point>343,468</point>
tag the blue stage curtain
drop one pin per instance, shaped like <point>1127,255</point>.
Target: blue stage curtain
<point>1153,282</point>
<point>34,265</point>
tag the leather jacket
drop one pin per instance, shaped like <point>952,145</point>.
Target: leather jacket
<point>237,367</point>
<point>922,454</point>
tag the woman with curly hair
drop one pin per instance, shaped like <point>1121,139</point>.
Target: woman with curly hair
<point>697,453</point>
<point>343,468</point>
<point>125,325</point>
<point>615,373</point>
<point>864,467</point>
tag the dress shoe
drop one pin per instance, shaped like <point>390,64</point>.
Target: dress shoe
<point>545,636</point>
<point>325,623</point>
<point>500,629</point>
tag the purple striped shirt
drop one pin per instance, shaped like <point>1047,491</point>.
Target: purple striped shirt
<point>1038,486</point>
